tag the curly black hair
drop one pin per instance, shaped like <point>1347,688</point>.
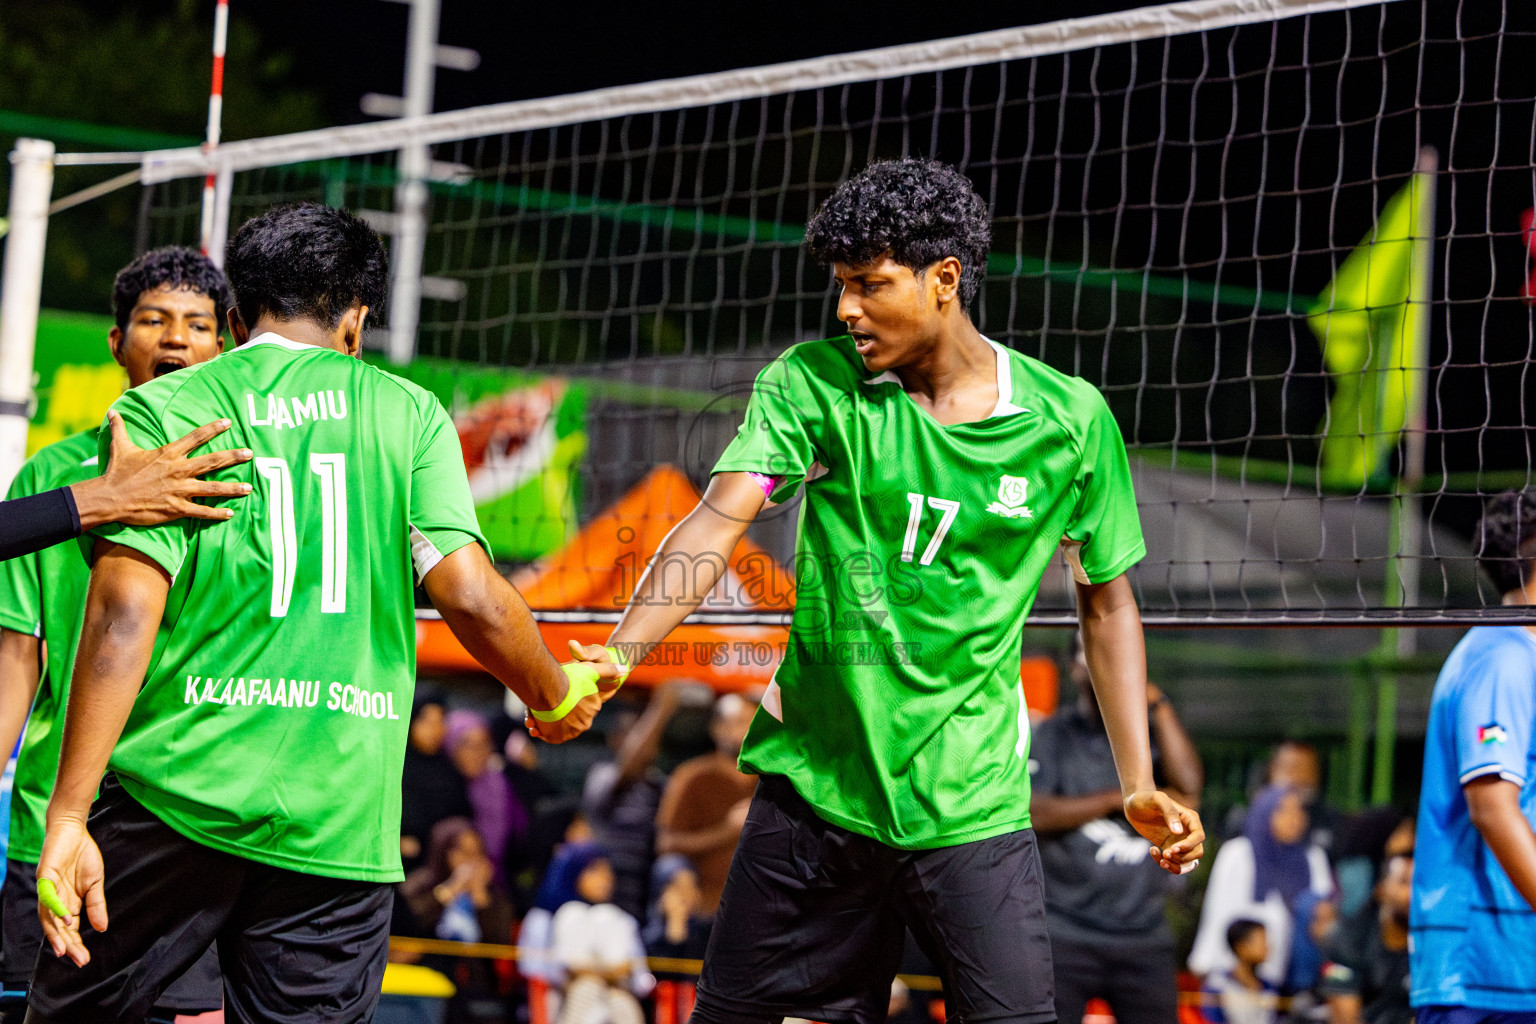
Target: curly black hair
<point>173,265</point>
<point>1505,539</point>
<point>305,261</point>
<point>919,211</point>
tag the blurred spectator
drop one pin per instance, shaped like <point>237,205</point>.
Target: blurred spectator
<point>549,814</point>
<point>1294,764</point>
<point>1366,978</point>
<point>454,895</point>
<point>676,927</point>
<point>705,803</point>
<point>1259,875</point>
<point>431,789</point>
<point>498,815</point>
<point>1104,895</point>
<point>1317,918</point>
<point>1365,841</point>
<point>1237,994</point>
<point>596,948</point>
<point>621,796</point>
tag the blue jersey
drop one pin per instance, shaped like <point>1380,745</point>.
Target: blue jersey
<point>1472,933</point>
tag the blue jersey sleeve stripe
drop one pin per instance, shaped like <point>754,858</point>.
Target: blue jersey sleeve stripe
<point>1489,769</point>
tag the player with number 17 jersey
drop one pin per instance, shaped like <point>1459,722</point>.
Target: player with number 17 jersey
<point>275,707</point>
<point>897,711</point>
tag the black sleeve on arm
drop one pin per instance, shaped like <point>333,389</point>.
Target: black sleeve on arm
<point>37,521</point>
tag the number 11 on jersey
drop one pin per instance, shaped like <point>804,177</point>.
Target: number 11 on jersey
<point>909,543</point>
<point>332,471</point>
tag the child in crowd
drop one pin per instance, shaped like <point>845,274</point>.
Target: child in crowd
<point>582,949</point>
<point>676,927</point>
<point>1238,995</point>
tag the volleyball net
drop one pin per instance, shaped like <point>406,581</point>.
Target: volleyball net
<point>1283,237</point>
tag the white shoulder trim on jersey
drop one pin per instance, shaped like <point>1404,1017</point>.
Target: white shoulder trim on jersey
<point>272,338</point>
<point>92,461</point>
<point>1073,551</point>
<point>1004,406</point>
<point>773,701</point>
<point>1023,744</point>
<point>424,554</point>
<point>1491,769</point>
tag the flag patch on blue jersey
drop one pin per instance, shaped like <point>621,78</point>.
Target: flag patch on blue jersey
<point>1493,732</point>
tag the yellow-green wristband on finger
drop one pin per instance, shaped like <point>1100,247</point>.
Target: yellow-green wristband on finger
<point>581,681</point>
<point>615,656</point>
<point>48,896</point>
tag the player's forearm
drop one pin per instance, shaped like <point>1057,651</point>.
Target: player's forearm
<point>19,670</point>
<point>1494,805</point>
<point>688,564</point>
<point>122,614</point>
<point>1117,663</point>
<point>492,621</point>
<point>1048,814</point>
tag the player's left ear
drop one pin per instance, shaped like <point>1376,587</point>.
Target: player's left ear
<point>350,331</point>
<point>946,280</point>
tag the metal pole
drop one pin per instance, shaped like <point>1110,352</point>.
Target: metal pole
<point>21,290</point>
<point>1407,524</point>
<point>211,141</point>
<point>223,185</point>
<point>411,189</point>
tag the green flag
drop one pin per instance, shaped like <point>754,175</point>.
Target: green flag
<point>1374,338</point>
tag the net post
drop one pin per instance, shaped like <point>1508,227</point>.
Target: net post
<point>410,240</point>
<point>22,287</point>
<point>223,189</point>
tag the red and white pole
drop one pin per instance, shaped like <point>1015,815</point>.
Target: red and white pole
<point>215,115</point>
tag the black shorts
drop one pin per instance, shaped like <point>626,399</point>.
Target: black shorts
<point>293,947</point>
<point>811,921</point>
<point>199,990</point>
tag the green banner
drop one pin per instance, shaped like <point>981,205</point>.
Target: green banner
<point>75,373</point>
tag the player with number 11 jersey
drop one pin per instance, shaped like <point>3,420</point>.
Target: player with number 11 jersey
<point>261,672</point>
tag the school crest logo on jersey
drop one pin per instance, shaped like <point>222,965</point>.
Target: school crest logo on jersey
<point>1011,493</point>
<point>1493,732</point>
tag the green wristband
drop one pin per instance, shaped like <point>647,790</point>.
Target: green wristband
<point>582,678</point>
<point>49,898</point>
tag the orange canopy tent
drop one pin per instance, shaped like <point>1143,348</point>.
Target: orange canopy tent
<point>581,588</point>
<point>596,573</point>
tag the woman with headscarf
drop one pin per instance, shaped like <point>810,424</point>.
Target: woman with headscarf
<point>431,789</point>
<point>453,895</point>
<point>1259,875</point>
<point>499,816</point>
<point>675,927</point>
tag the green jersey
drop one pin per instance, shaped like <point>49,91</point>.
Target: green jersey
<point>43,594</point>
<point>273,718</point>
<point>897,710</point>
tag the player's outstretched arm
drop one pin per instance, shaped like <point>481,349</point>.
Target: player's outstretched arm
<point>494,624</point>
<point>1117,664</point>
<point>1494,806</point>
<point>122,614</point>
<point>146,487</point>
<point>703,543</point>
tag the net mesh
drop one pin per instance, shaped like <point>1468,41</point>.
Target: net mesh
<point>1166,213</point>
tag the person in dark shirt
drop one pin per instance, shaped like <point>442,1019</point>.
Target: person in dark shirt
<point>1366,977</point>
<point>1103,897</point>
<point>431,788</point>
